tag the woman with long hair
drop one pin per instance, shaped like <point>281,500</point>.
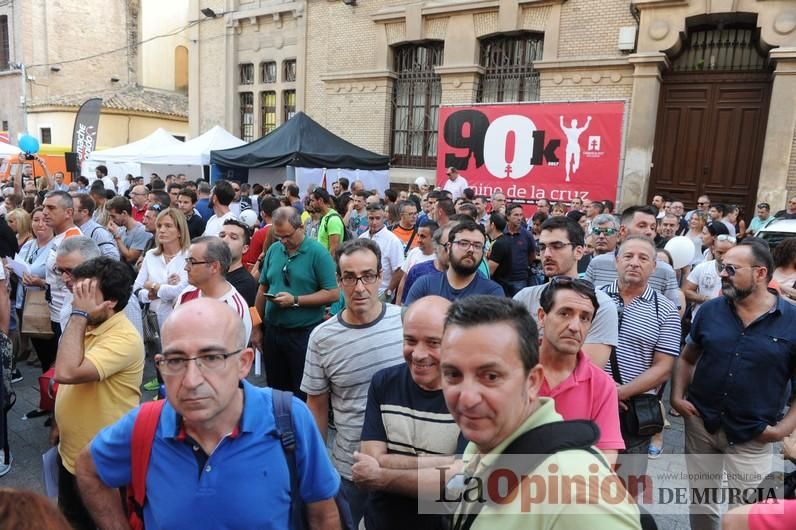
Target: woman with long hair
<point>785,268</point>
<point>35,252</point>
<point>20,222</point>
<point>695,227</point>
<point>162,276</point>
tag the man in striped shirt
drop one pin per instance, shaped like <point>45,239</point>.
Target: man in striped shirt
<point>408,430</point>
<point>344,352</point>
<point>649,341</point>
<point>636,221</point>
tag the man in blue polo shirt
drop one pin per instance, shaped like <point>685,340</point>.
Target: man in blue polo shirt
<point>523,250</point>
<point>741,352</point>
<point>215,462</point>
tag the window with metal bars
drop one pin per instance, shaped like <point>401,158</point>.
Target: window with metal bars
<point>46,135</point>
<point>724,49</point>
<point>416,98</point>
<point>268,111</point>
<point>246,73</point>
<point>509,75</point>
<point>268,72</point>
<point>289,71</point>
<point>288,104</point>
<point>246,116</point>
<point>4,47</point>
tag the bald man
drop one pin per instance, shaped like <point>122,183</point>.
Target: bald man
<point>406,418</point>
<point>214,426</point>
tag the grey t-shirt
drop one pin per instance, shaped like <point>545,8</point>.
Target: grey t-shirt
<point>341,360</point>
<point>604,327</point>
<point>136,238</point>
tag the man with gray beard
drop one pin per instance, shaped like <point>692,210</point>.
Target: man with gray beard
<point>740,352</point>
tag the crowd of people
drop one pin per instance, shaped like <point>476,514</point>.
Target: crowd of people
<point>424,334</point>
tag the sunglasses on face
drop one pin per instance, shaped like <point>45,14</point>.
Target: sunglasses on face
<point>732,269</point>
<point>604,231</point>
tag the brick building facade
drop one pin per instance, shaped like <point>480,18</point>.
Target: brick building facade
<point>353,58</point>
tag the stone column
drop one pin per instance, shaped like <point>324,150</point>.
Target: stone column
<point>640,134</point>
<point>780,128</point>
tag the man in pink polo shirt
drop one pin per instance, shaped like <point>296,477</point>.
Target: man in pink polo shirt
<point>581,390</point>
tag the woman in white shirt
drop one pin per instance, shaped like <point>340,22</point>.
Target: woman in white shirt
<point>162,276</point>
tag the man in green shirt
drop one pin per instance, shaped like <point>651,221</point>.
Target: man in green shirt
<point>330,228</point>
<point>298,279</point>
<point>491,378</point>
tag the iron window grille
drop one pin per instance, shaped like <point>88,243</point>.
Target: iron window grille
<point>289,71</point>
<point>509,75</point>
<point>268,72</point>
<point>268,111</point>
<point>735,49</point>
<point>289,104</point>
<point>246,116</point>
<point>246,74</point>
<point>417,94</point>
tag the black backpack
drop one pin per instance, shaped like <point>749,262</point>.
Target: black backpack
<point>347,234</point>
<point>546,440</point>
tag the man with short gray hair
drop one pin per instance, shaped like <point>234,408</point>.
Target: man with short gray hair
<point>207,265</point>
<point>84,211</point>
<point>605,231</point>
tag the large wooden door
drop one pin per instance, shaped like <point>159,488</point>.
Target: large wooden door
<point>709,137</point>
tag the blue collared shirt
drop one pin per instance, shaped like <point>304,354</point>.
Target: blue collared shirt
<point>244,483</point>
<point>740,379</point>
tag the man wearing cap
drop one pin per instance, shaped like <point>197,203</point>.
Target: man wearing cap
<point>455,184</point>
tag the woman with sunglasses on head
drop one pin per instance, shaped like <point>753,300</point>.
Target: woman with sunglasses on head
<point>785,268</point>
<point>710,234</point>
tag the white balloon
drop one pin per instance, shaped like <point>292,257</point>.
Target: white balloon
<point>682,250</point>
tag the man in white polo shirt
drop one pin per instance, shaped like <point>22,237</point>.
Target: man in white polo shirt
<point>392,250</point>
<point>455,184</point>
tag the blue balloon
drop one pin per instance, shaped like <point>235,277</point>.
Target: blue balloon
<point>29,144</point>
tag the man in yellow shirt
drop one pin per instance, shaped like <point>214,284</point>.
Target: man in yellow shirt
<point>99,367</point>
<point>491,378</point>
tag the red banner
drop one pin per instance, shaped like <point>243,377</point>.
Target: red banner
<point>555,151</point>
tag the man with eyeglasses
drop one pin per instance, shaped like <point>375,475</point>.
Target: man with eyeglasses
<point>465,251</point>
<point>561,245</point>
<point>731,380</point>
<point>344,352</point>
<point>215,462</point>
<point>99,369</point>
<point>207,265</point>
<point>297,280</point>
<point>605,232</point>
<point>704,280</point>
<point>703,205</point>
<point>392,250</point>
<point>648,343</point>
<point>138,198</point>
<point>455,183</point>
<point>761,220</point>
<point>498,202</point>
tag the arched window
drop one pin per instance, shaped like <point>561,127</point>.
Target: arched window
<point>508,62</point>
<point>181,69</point>
<point>416,98</point>
<point>720,49</point>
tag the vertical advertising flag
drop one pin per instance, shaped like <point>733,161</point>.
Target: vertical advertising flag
<point>555,151</point>
<point>84,135</point>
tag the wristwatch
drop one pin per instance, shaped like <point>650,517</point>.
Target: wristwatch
<point>295,301</point>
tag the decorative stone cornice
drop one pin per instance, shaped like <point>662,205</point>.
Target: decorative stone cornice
<point>362,75</point>
<point>389,14</point>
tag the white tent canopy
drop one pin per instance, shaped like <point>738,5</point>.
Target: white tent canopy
<point>193,152</point>
<point>135,151</point>
<point>8,149</point>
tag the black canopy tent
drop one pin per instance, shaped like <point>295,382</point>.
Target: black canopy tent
<point>303,143</point>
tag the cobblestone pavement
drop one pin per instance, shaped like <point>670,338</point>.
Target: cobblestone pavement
<point>28,439</point>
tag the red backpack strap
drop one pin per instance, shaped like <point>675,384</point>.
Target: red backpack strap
<point>144,428</point>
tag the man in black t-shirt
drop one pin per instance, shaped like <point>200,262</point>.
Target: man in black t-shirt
<point>238,238</point>
<point>408,431</point>
<point>499,256</point>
